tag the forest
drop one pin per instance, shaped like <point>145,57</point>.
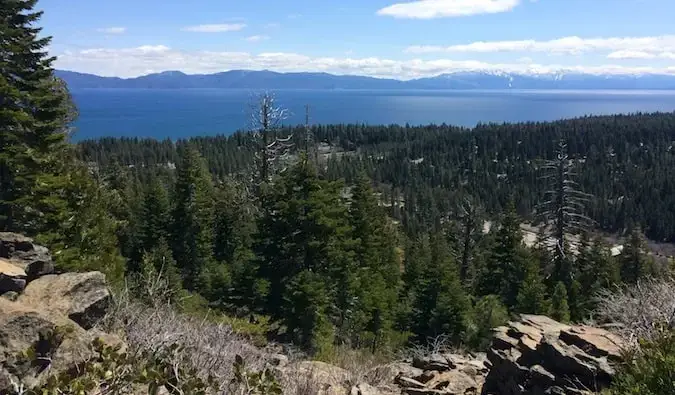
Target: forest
<point>374,236</point>
<point>325,236</point>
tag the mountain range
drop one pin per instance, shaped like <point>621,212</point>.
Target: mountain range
<point>247,79</point>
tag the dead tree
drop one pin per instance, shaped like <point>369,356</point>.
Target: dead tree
<point>269,148</point>
<point>563,211</point>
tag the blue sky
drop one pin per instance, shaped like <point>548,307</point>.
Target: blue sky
<point>382,38</point>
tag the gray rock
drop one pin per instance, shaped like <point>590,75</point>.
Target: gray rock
<point>60,342</point>
<point>437,362</point>
<point>82,297</point>
<point>34,259</point>
<point>12,277</point>
<point>537,355</point>
<point>11,296</point>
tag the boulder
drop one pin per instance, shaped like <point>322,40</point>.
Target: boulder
<point>19,250</point>
<point>315,378</point>
<point>12,277</point>
<point>367,389</point>
<point>436,361</point>
<point>537,355</point>
<point>82,297</point>
<point>388,373</point>
<point>57,344</point>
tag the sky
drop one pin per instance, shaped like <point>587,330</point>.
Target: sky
<point>379,38</point>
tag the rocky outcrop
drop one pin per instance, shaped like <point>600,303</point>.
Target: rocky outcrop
<point>445,373</point>
<point>315,378</point>
<point>537,355</point>
<point>82,297</point>
<point>12,277</point>
<point>21,261</point>
<point>45,319</point>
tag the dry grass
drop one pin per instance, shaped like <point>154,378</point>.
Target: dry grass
<point>642,311</point>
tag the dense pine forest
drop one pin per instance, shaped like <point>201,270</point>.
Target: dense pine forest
<point>376,236</point>
<point>364,237</point>
<point>625,162</point>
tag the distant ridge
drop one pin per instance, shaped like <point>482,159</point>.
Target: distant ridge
<point>248,79</point>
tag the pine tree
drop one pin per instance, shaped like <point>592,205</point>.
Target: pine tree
<point>488,314</point>
<point>597,271</point>
<point>35,109</point>
<point>560,310</point>
<point>79,230</point>
<point>306,304</point>
<point>192,218</point>
<point>505,267</point>
<point>304,228</point>
<point>532,294</point>
<point>155,215</point>
<point>634,263</point>
<point>440,305</point>
<point>376,261</point>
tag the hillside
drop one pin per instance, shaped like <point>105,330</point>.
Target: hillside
<point>248,79</point>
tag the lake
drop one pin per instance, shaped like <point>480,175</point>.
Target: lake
<point>184,113</point>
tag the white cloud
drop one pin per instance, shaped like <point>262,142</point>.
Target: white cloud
<point>630,54</point>
<point>130,62</point>
<point>215,28</point>
<point>572,45</point>
<point>112,30</point>
<point>257,38</point>
<point>429,9</point>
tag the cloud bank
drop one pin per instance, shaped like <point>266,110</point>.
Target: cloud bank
<point>215,28</point>
<point>257,38</point>
<point>429,9</point>
<point>112,30</point>
<point>131,62</point>
<point>618,47</point>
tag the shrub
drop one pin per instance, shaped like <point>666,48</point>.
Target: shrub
<point>488,313</point>
<point>113,371</point>
<point>650,371</point>
<point>639,311</point>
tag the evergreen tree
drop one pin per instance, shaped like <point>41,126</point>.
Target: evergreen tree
<point>488,314</point>
<point>597,271</point>
<point>155,215</point>
<point>634,263</point>
<point>306,304</point>
<point>532,294</point>
<point>159,269</point>
<point>506,265</point>
<point>560,310</point>
<point>35,109</point>
<point>376,260</point>
<point>192,218</point>
<point>440,305</point>
<point>79,230</point>
<point>304,228</point>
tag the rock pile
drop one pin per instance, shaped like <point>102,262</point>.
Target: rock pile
<point>47,315</point>
<point>449,374</point>
<point>537,355</point>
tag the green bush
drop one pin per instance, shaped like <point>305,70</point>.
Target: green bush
<point>488,313</point>
<point>651,371</point>
<point>115,372</point>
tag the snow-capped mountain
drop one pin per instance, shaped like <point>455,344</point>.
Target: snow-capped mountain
<point>492,79</point>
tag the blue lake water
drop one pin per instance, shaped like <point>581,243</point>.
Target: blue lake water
<point>184,113</point>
